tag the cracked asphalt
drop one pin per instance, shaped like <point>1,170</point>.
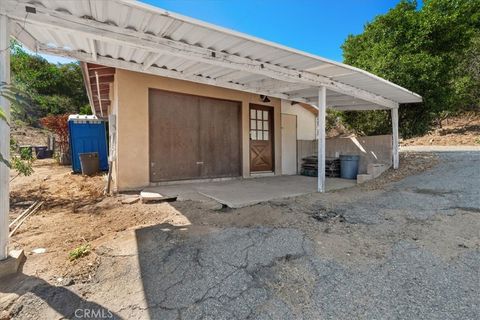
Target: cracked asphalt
<point>409,251</point>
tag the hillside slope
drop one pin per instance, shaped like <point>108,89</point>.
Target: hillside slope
<point>459,130</point>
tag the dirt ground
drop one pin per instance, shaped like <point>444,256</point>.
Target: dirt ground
<point>371,251</point>
<point>76,212</point>
<point>454,131</point>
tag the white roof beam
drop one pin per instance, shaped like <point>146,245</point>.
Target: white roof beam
<point>110,33</point>
<point>343,99</point>
<point>23,36</point>
<point>152,57</point>
<point>359,107</point>
<point>232,76</point>
<point>93,48</point>
<point>86,76</point>
<point>276,85</point>
<point>309,95</point>
<point>115,63</point>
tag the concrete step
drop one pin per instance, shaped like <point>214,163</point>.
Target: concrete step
<point>361,178</point>
<point>376,169</point>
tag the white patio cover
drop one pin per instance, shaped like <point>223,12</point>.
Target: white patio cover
<point>135,36</point>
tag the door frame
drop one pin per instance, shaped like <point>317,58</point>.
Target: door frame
<point>271,112</point>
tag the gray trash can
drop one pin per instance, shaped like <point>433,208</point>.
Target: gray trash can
<point>349,166</point>
<point>89,163</point>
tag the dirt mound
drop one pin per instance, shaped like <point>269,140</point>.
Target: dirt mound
<point>459,130</point>
<point>57,186</point>
<point>75,212</point>
<point>27,135</point>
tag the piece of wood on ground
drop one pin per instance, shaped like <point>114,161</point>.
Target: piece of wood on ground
<point>20,222</point>
<point>23,214</point>
<point>130,200</point>
<point>155,197</point>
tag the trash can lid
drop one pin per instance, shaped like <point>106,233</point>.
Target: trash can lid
<point>349,157</point>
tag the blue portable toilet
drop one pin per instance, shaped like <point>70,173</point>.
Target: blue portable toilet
<point>87,134</point>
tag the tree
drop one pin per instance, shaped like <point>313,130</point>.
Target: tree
<point>421,50</point>
<point>58,125</point>
<point>54,89</point>
<point>14,95</point>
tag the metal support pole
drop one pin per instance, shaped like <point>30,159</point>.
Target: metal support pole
<point>4,136</point>
<point>322,111</point>
<point>395,155</point>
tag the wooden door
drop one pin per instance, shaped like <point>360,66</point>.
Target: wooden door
<point>261,138</point>
<point>173,136</point>
<point>220,143</point>
<point>193,137</point>
<point>289,144</point>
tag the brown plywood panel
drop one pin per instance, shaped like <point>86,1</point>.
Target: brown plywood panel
<point>174,140</point>
<point>220,132</point>
<point>193,137</point>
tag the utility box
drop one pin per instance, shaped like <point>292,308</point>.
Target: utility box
<point>87,134</point>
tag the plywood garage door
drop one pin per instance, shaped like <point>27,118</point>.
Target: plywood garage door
<point>193,137</point>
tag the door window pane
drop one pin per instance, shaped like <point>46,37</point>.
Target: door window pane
<point>253,135</point>
<point>253,114</point>
<point>259,114</point>
<point>253,124</point>
<point>265,135</point>
<point>265,115</point>
<point>265,125</point>
<point>259,125</point>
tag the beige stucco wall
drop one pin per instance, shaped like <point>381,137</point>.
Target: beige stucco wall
<point>305,120</point>
<point>131,92</point>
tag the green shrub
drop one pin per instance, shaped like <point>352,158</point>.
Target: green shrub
<point>79,252</point>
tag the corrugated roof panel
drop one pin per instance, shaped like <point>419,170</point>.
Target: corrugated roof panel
<point>139,56</point>
<point>181,31</point>
<point>141,18</point>
<point>185,65</point>
<point>173,63</point>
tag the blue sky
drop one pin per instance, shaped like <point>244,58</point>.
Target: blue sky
<point>315,26</point>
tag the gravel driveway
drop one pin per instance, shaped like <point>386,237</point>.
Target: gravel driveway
<point>408,251</point>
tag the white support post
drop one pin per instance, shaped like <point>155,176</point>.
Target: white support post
<point>322,110</point>
<point>395,138</point>
<point>4,136</point>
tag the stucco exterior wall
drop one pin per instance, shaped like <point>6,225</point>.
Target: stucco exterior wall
<point>131,91</point>
<point>305,120</point>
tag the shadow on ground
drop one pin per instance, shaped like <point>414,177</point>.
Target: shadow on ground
<point>37,295</point>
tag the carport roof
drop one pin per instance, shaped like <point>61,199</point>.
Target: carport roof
<point>135,36</point>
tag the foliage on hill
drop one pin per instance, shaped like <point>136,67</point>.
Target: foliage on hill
<point>433,51</point>
<point>53,88</point>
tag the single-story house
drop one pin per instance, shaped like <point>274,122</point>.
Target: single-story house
<point>187,100</point>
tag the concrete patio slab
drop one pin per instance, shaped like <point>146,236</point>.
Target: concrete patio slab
<point>246,192</point>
